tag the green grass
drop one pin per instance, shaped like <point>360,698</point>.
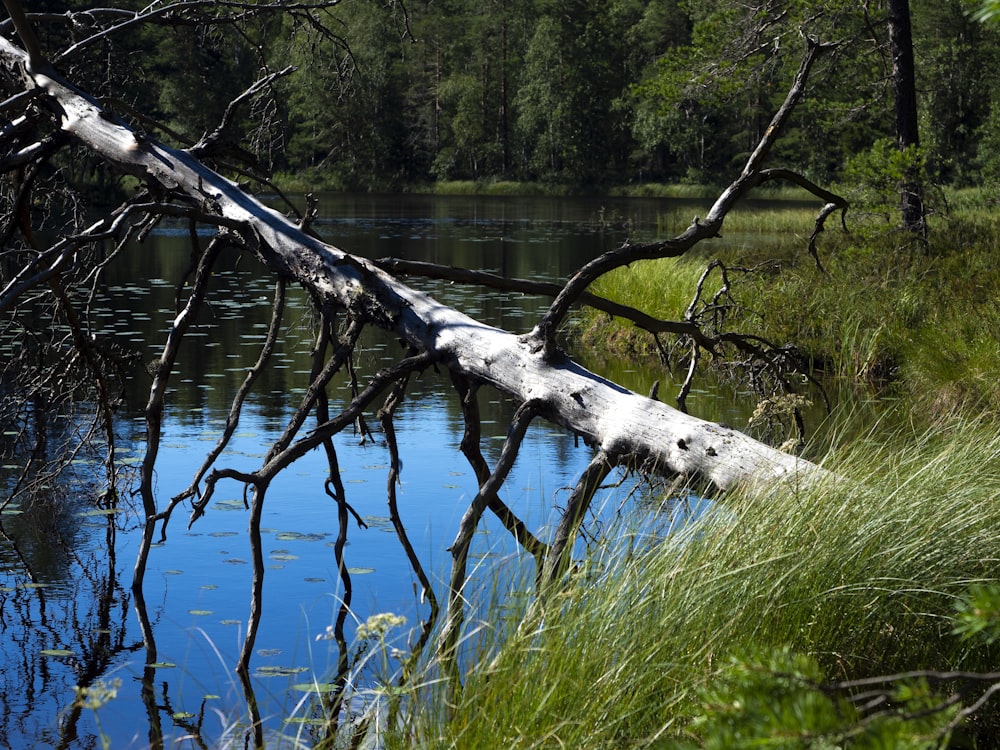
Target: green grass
<point>924,320</point>
<point>709,192</point>
<point>860,576</point>
<point>494,187</point>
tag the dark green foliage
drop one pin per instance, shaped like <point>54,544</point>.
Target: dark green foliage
<point>585,93</point>
<point>785,701</point>
<point>979,614</point>
<point>344,103</point>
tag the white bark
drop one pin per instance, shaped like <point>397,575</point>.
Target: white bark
<point>642,432</point>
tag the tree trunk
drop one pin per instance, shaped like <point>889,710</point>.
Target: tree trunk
<point>904,85</point>
<point>654,436</point>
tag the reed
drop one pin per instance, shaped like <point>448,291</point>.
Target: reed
<point>861,576</point>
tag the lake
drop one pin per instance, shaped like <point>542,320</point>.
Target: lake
<point>66,611</point>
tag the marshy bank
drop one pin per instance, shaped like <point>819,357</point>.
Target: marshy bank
<point>911,320</point>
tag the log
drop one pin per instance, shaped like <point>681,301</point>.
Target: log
<point>632,429</point>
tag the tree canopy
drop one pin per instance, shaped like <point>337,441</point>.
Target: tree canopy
<point>587,94</point>
<point>596,93</point>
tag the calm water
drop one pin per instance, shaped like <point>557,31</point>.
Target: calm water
<point>65,610</point>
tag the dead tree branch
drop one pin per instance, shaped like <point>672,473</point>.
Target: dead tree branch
<point>622,428</point>
<point>543,336</point>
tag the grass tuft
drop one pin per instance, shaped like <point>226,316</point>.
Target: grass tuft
<point>861,576</point>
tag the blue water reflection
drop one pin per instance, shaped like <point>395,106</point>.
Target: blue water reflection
<point>66,613</point>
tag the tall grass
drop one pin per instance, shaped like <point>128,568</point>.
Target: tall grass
<point>884,310</point>
<point>861,575</point>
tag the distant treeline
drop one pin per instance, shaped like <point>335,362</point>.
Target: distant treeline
<point>576,92</point>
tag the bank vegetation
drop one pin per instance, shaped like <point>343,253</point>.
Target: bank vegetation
<point>879,312</point>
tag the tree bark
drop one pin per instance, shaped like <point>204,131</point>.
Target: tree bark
<point>904,84</point>
<point>647,434</point>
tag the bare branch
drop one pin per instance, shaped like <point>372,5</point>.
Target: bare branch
<point>233,419</point>
<point>542,338</point>
<point>576,508</point>
<point>209,142</point>
<point>389,429</point>
<point>155,404</point>
<point>470,447</point>
<point>459,549</point>
<point>639,318</point>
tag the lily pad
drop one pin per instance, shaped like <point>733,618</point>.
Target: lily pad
<point>56,652</point>
<point>200,612</point>
<point>100,512</point>
<point>275,671</point>
<point>315,687</point>
<point>360,571</point>
<point>295,536</point>
<point>228,505</point>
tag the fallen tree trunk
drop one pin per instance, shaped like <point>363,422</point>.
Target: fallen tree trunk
<point>658,438</point>
<point>623,428</point>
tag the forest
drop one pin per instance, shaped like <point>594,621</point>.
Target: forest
<point>585,94</point>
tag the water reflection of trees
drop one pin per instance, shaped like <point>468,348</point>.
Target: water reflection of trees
<point>63,621</point>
